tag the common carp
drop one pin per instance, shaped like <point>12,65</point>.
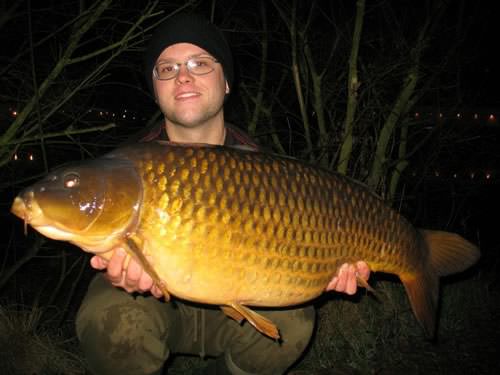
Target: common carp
<point>238,228</point>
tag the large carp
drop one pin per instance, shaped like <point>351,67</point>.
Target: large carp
<point>238,228</point>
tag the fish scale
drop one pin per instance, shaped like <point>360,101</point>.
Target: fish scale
<point>247,214</point>
<point>236,228</point>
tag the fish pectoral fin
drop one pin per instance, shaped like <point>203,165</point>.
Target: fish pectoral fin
<point>163,287</point>
<point>232,313</point>
<point>261,323</point>
<point>133,249</point>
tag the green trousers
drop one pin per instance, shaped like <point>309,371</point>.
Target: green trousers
<point>121,333</point>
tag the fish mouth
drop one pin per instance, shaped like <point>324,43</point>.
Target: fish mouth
<point>19,208</point>
<point>27,209</point>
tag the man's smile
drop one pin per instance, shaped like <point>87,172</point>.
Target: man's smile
<point>187,95</point>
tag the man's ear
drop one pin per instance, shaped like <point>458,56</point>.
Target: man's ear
<point>155,92</point>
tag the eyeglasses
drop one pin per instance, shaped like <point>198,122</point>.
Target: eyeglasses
<point>199,66</point>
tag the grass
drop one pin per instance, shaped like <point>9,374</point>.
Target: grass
<point>30,346</point>
<point>383,337</point>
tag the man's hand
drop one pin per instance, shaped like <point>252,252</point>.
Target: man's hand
<point>132,278</point>
<point>345,281</point>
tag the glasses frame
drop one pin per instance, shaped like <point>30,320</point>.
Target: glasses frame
<point>186,64</point>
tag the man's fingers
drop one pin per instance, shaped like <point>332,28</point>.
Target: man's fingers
<point>134,273</point>
<point>98,263</point>
<point>145,283</point>
<point>342,278</point>
<point>332,284</point>
<point>155,291</point>
<point>363,270</point>
<point>132,279</point>
<point>351,282</point>
<point>115,266</point>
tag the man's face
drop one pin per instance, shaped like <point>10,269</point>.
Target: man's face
<point>189,100</point>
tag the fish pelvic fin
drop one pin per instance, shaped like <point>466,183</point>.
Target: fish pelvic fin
<point>237,311</point>
<point>449,252</point>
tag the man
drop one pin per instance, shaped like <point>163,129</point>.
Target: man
<point>190,71</point>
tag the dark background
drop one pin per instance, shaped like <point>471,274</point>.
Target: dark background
<point>451,183</point>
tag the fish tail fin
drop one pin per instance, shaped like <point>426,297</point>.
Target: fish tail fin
<point>448,253</point>
<point>423,292</point>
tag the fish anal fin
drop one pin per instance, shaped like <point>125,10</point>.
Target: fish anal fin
<point>134,250</point>
<point>364,284</point>
<point>232,313</point>
<point>449,252</point>
<point>423,290</point>
<point>261,324</point>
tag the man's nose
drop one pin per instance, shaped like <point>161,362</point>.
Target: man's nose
<point>184,75</point>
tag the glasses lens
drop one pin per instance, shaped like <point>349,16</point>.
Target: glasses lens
<point>201,65</point>
<point>166,70</point>
<point>196,65</point>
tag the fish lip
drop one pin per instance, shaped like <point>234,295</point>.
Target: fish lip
<point>27,210</point>
<point>19,208</point>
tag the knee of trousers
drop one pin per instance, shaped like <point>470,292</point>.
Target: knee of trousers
<point>258,354</point>
<point>120,333</point>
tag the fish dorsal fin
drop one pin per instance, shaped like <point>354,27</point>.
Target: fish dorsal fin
<point>134,250</point>
<point>237,311</point>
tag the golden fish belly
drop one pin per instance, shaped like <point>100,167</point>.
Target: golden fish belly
<point>225,225</point>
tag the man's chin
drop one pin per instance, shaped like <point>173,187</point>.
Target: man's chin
<point>190,119</point>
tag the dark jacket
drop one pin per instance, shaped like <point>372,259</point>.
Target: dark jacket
<point>234,136</point>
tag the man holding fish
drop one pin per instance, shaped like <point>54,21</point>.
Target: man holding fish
<point>190,71</point>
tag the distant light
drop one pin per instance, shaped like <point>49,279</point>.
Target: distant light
<point>436,173</point>
<point>15,156</point>
<point>440,115</point>
<point>488,175</point>
<point>491,117</point>
<point>417,114</point>
<point>459,115</point>
<point>472,175</point>
<point>454,175</point>
<point>476,116</point>
<point>31,157</point>
<point>14,113</point>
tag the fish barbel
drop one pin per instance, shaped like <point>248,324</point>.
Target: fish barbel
<point>237,228</point>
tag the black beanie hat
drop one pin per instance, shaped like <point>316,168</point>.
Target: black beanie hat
<point>189,28</point>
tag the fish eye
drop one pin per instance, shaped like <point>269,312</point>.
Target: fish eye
<point>71,180</point>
